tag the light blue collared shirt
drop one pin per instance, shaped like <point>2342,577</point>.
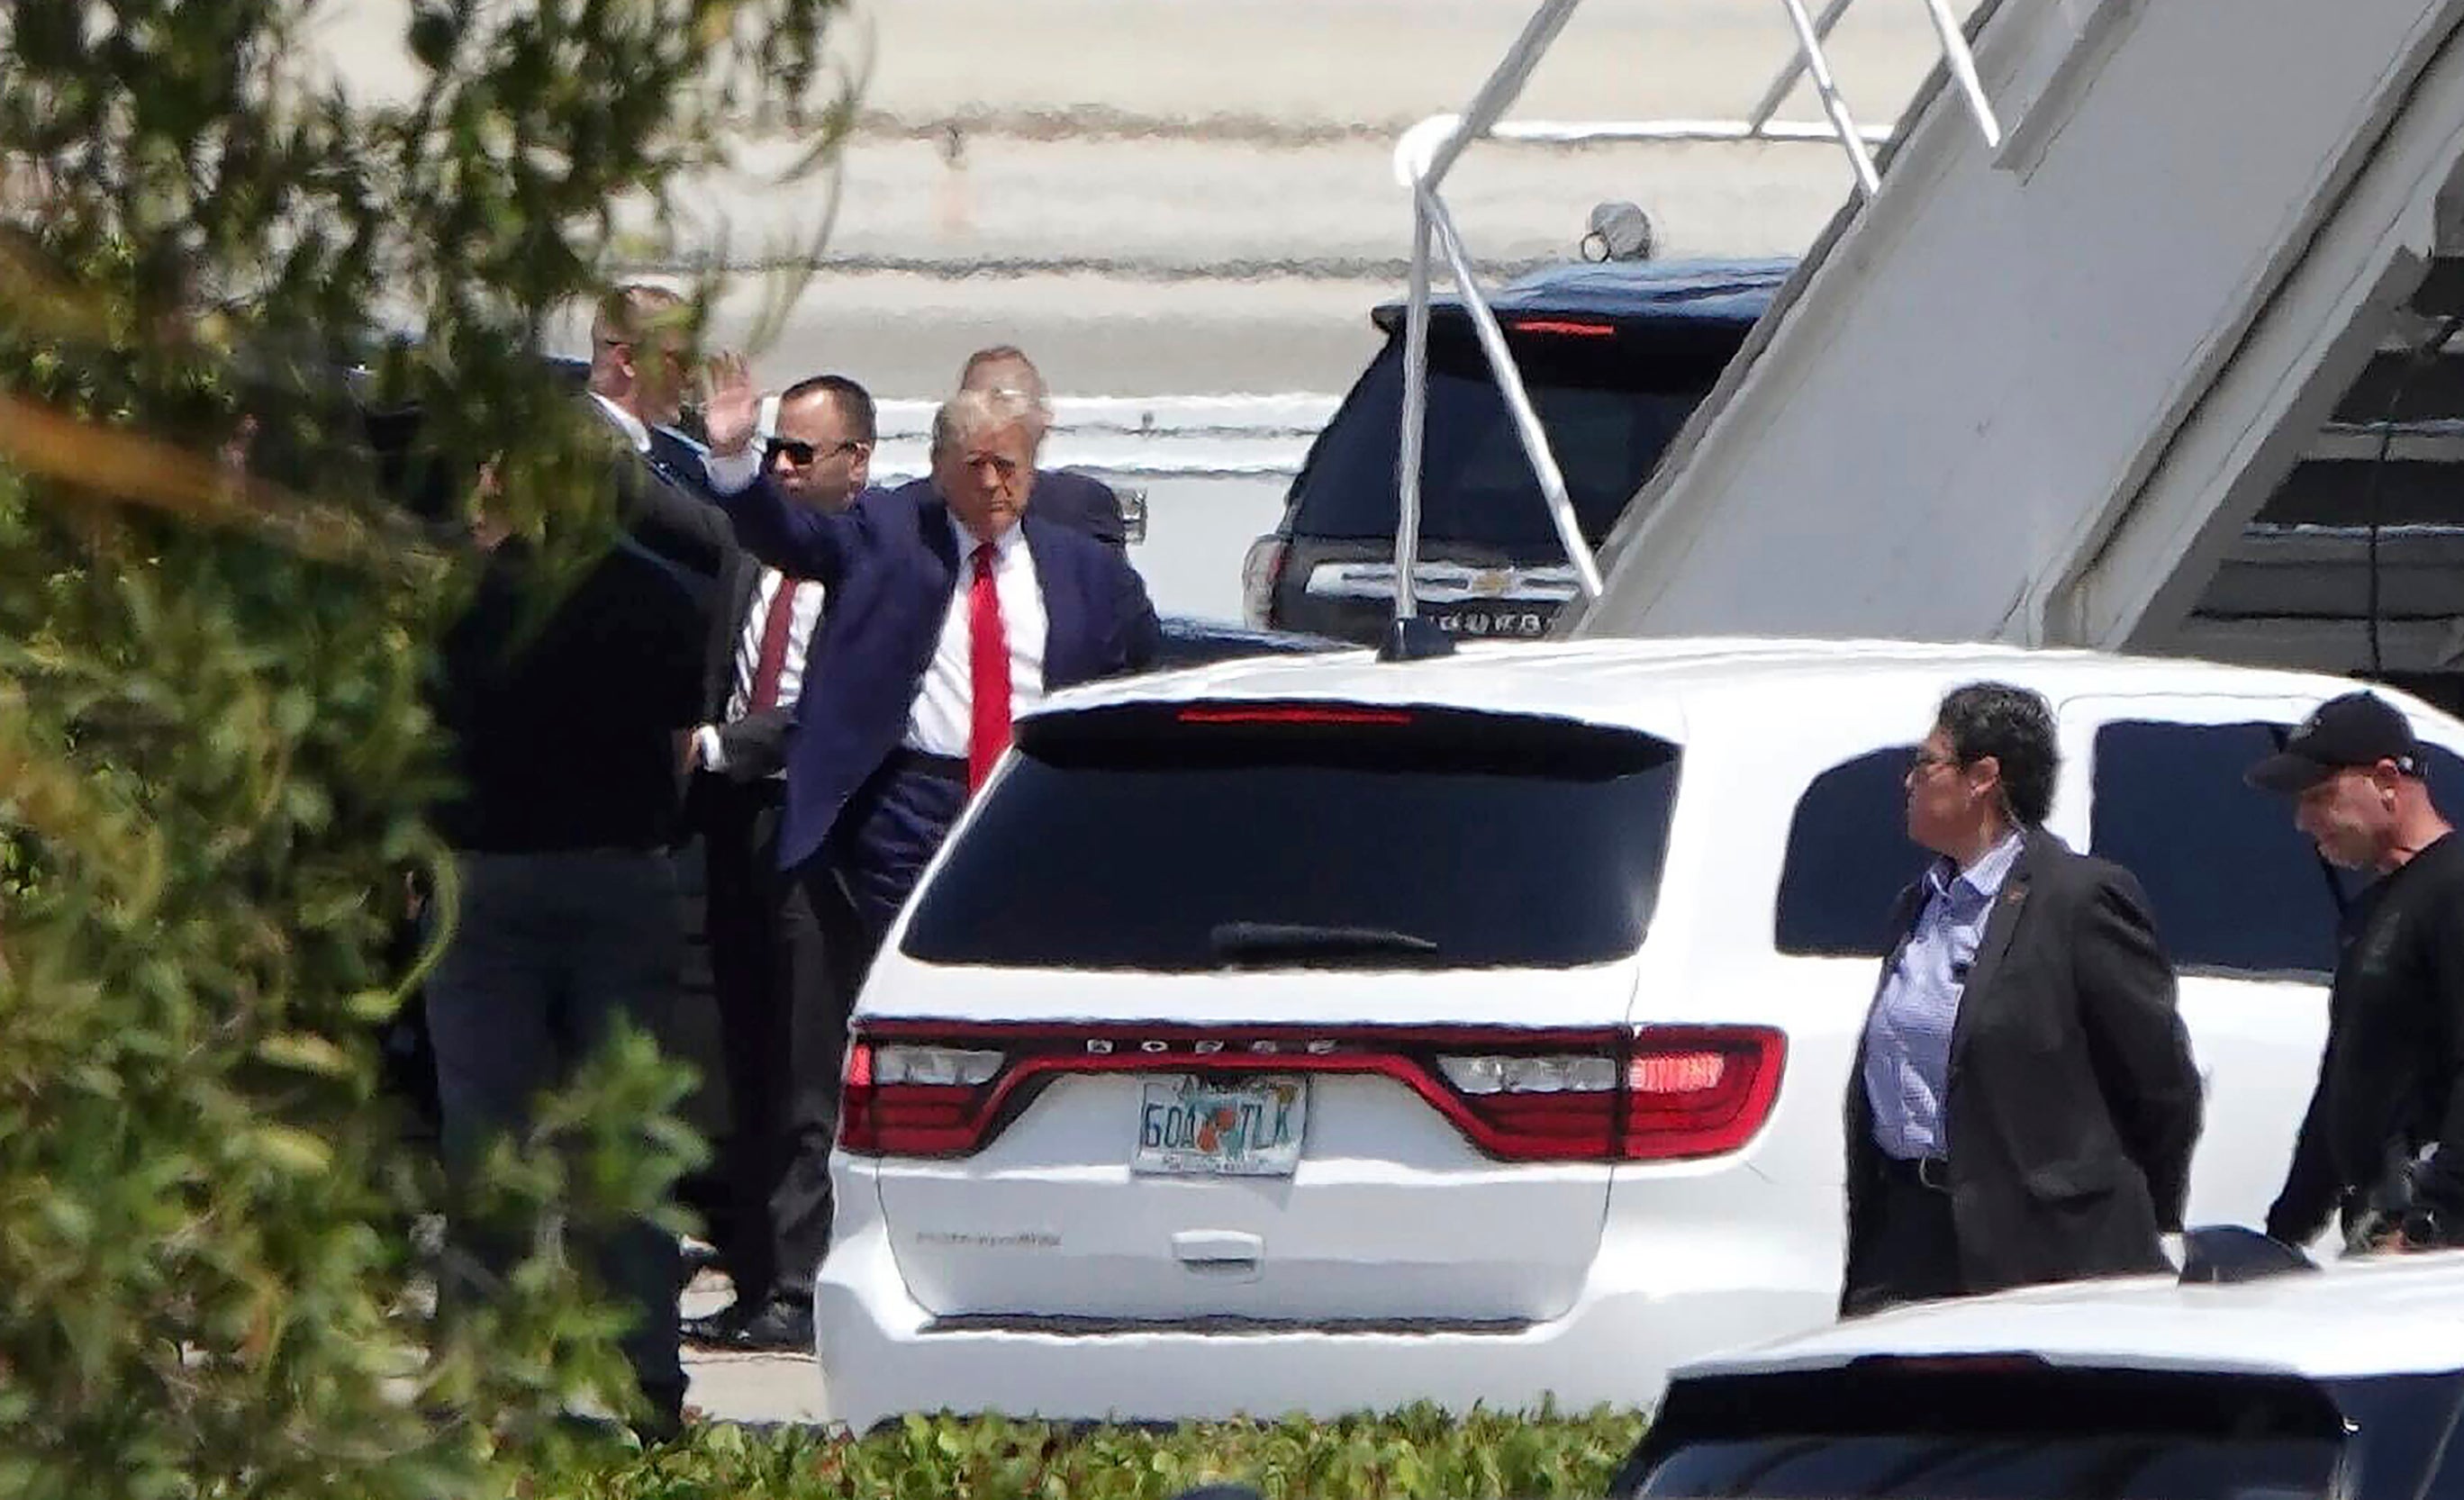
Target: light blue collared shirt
<point>1907,1038</point>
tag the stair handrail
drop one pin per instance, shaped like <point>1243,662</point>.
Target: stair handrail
<point>1429,149</point>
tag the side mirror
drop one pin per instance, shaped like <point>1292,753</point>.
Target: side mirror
<point>1132,500</point>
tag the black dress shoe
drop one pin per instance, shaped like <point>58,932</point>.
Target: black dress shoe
<point>778,1324</point>
<point>717,1329</point>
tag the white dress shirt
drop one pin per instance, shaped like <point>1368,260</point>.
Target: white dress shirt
<point>943,718</point>
<point>803,616</point>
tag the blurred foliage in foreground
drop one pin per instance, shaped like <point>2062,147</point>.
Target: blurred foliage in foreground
<point>1409,1455</point>
<point>213,750</point>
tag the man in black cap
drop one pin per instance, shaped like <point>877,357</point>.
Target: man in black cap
<point>2383,1142</point>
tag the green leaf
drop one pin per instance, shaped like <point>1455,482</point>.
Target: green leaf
<point>219,620</point>
<point>291,1149</point>
<point>304,1052</point>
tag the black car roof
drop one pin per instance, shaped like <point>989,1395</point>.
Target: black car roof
<point>1733,291</point>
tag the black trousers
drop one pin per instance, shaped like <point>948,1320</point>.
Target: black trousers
<point>549,952</point>
<point>783,1025</point>
<point>887,834</point>
<point>1910,1246</point>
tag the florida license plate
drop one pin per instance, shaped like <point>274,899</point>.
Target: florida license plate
<point>1232,1127</point>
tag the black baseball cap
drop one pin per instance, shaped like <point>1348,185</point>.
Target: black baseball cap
<point>2358,729</point>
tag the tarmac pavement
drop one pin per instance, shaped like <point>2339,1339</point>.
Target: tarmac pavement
<point>1179,196</point>
<point>729,1386</point>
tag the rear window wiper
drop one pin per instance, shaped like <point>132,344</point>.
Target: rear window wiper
<point>1232,942</point>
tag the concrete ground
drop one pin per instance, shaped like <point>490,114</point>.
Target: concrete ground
<point>748,1388</point>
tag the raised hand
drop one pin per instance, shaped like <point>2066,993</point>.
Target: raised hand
<point>732,406</point>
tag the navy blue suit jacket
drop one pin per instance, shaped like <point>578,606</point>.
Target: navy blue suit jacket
<point>890,564</point>
<point>1078,501</point>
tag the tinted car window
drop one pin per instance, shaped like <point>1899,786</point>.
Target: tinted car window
<point>1926,1467</point>
<point>2010,1428</point>
<point>1848,855</point>
<point>1141,838</point>
<point>2234,885</point>
<point>1608,409</point>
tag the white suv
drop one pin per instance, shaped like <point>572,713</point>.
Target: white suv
<point>1321,1033</point>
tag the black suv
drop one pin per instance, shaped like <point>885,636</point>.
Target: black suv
<point>1615,355</point>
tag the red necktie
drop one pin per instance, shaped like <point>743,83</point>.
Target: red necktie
<point>773,659</point>
<point>988,672</point>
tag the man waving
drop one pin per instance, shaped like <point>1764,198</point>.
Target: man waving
<point>954,611</point>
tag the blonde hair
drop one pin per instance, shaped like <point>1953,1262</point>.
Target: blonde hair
<point>635,311</point>
<point>972,413</point>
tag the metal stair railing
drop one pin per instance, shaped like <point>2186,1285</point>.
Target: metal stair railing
<point>1429,151</point>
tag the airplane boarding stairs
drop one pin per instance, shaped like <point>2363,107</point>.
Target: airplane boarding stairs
<point>2129,336</point>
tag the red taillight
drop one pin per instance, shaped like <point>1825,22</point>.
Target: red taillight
<point>1563,327</point>
<point>1699,1091</point>
<point>1538,1106</point>
<point>906,1100</point>
<point>1564,1127</point>
<point>1294,713</point>
<point>917,1089</point>
<point>1679,1092</point>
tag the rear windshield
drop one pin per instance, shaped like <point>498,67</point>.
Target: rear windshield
<point>1202,836</point>
<point>1609,406</point>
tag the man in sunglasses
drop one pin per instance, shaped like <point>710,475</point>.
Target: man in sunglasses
<point>783,1008</point>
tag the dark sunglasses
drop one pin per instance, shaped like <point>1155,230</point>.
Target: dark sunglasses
<point>800,454</point>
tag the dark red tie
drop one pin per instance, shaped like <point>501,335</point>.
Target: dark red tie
<point>988,672</point>
<point>773,659</point>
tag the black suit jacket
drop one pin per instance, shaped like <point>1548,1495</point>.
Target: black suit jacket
<point>756,745</point>
<point>664,508</point>
<point>563,697</point>
<point>2073,1101</point>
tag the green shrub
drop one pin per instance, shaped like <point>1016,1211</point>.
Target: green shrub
<point>215,755</point>
<point>1418,1452</point>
